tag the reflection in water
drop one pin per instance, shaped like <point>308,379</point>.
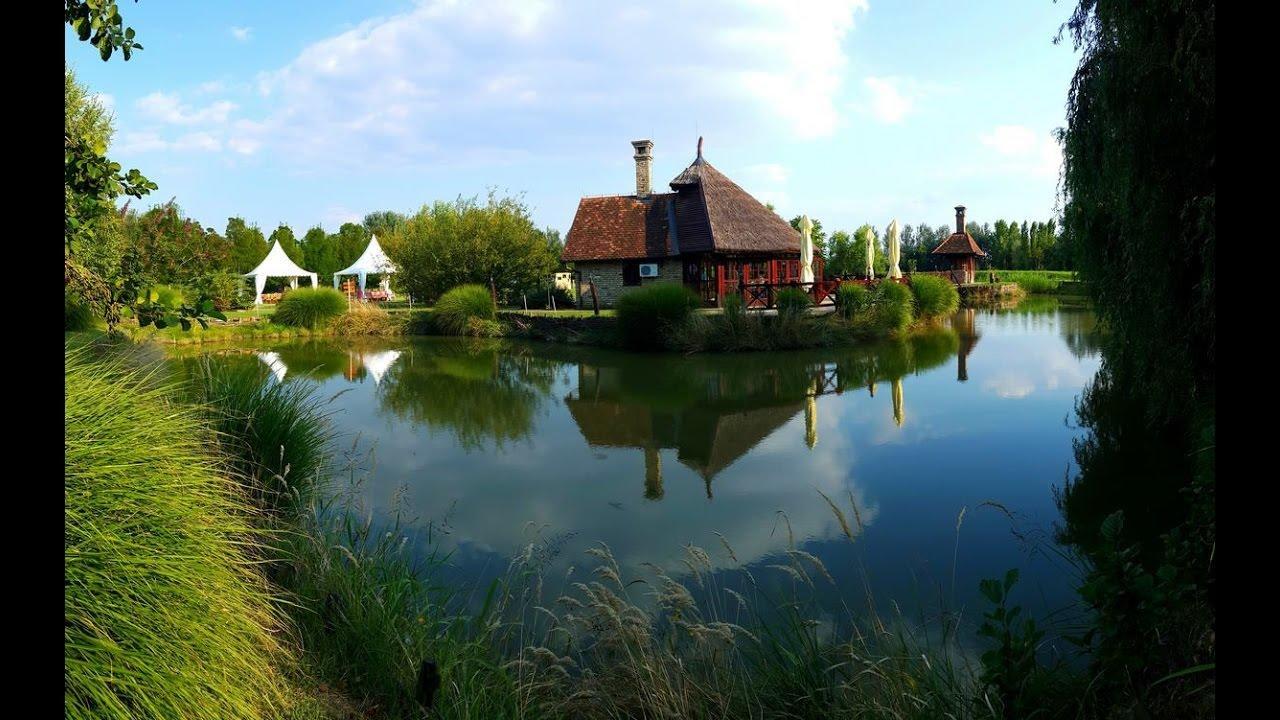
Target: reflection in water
<point>715,411</point>
<point>479,391</point>
<point>649,452</point>
<point>272,359</point>
<point>967,332</point>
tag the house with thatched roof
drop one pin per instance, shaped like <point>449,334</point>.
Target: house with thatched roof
<point>707,233</point>
<point>960,252</point>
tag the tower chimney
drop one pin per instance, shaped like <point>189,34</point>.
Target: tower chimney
<point>644,157</point>
<point>960,218</point>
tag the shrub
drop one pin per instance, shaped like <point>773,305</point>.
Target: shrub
<point>793,301</point>
<point>477,327</point>
<point>367,319</point>
<point>310,308</point>
<point>77,315</point>
<point>852,299</point>
<point>935,296</point>
<point>165,615</point>
<point>892,303</point>
<point>168,296</point>
<point>646,315</point>
<point>455,309</point>
<point>227,290</point>
<point>275,434</point>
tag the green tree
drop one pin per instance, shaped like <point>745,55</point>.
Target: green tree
<point>839,257</point>
<point>172,248</point>
<point>383,222</point>
<point>248,246</point>
<point>284,235</point>
<point>818,235</point>
<point>1140,186</point>
<point>466,241</point>
<point>99,23</point>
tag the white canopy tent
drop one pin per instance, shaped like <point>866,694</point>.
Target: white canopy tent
<point>372,261</point>
<point>276,264</point>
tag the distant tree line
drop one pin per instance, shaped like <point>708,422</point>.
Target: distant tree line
<point>1009,245</point>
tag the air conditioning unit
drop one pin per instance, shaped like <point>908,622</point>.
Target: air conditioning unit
<point>649,270</point>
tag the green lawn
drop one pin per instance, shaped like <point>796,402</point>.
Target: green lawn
<point>1032,281</point>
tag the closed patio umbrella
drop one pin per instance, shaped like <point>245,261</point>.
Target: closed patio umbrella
<point>871,252</point>
<point>806,249</point>
<point>895,250</point>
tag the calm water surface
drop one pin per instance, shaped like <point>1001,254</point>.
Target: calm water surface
<point>496,444</point>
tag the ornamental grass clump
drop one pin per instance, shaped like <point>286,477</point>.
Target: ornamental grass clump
<point>852,300</point>
<point>165,613</point>
<point>892,306</point>
<point>311,308</point>
<point>367,319</point>
<point>935,296</point>
<point>456,309</point>
<point>793,301</point>
<point>647,316</point>
<point>275,434</point>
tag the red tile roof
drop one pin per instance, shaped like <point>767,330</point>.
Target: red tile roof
<point>619,227</point>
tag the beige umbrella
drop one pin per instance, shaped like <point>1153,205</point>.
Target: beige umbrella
<point>898,410</point>
<point>806,249</point>
<point>895,251</point>
<point>871,252</point>
<point>810,419</point>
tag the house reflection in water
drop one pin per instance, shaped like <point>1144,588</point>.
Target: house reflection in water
<point>374,364</point>
<point>708,433</point>
<point>966,329</point>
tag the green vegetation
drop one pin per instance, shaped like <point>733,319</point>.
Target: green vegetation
<point>891,307</point>
<point>935,296</point>
<point>368,319</point>
<point>465,310</point>
<point>275,433</point>
<point>166,614</point>
<point>77,315</point>
<point>648,314</point>
<point>852,299</point>
<point>311,308</point>
<point>469,242</point>
<point>793,301</point>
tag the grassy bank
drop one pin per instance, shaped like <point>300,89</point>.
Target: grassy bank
<point>1034,281</point>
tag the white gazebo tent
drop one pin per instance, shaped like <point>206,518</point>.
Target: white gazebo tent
<point>276,264</point>
<point>372,261</point>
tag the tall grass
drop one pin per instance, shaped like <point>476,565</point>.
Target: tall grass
<point>275,435</point>
<point>935,296</point>
<point>793,301</point>
<point>165,616</point>
<point>367,319</point>
<point>647,315</point>
<point>311,308</point>
<point>892,306</point>
<point>852,299</point>
<point>458,310</point>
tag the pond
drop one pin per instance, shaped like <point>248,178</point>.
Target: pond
<point>941,453</point>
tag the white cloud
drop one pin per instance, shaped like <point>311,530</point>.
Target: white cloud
<point>1025,151</point>
<point>148,141</point>
<point>448,78</point>
<point>241,33</point>
<point>167,108</point>
<point>888,103</point>
<point>107,101</point>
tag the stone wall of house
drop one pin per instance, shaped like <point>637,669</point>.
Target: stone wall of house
<point>608,278</point>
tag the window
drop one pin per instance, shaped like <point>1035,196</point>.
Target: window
<point>630,274</point>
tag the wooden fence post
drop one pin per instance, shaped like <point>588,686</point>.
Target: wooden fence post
<point>595,298</point>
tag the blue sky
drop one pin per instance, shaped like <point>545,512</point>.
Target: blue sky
<point>851,111</point>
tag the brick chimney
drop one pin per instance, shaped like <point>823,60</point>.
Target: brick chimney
<point>644,158</point>
<point>959,218</point>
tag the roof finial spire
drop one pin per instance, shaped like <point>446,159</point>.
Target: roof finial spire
<point>699,147</point>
